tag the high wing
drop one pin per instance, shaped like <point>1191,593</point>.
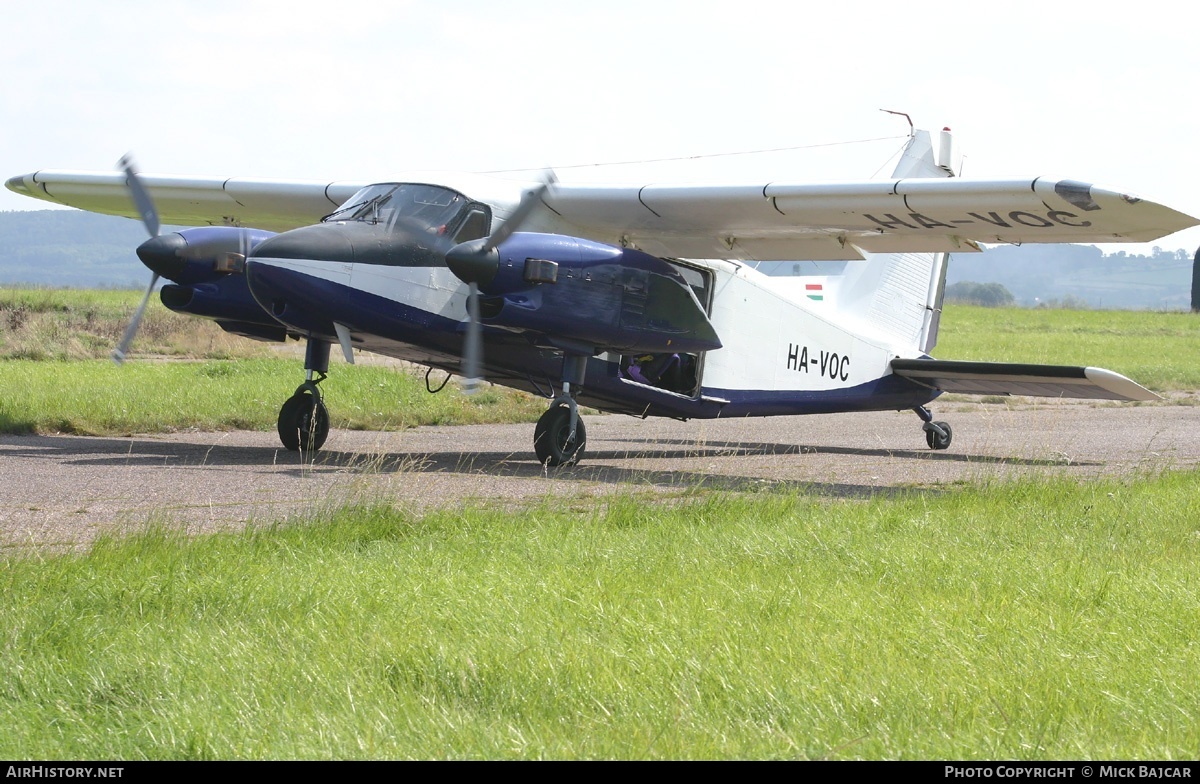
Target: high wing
<point>758,222</point>
<point>1004,378</point>
<point>276,205</point>
<point>838,221</point>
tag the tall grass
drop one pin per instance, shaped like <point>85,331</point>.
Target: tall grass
<point>76,324</point>
<point>1042,620</point>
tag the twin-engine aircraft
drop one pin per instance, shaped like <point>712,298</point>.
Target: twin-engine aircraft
<point>647,299</point>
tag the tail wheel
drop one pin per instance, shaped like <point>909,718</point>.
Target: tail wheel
<point>303,422</point>
<point>936,439</point>
<point>552,441</point>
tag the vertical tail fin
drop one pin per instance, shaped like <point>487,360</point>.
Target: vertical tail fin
<point>900,294</point>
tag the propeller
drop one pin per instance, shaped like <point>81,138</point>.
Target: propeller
<point>169,255</point>
<point>473,345</point>
<point>529,203</point>
<point>149,215</point>
<point>475,263</point>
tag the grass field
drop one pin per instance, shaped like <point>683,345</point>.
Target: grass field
<point>1156,349</point>
<point>95,397</point>
<point>1040,619</point>
<point>187,373</point>
<point>55,346</point>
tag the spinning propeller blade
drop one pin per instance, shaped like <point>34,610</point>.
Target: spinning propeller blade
<point>145,207</point>
<point>118,353</point>
<point>141,197</point>
<point>529,203</point>
<point>473,262</point>
<point>473,345</point>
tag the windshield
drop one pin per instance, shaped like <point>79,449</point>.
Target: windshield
<point>429,206</point>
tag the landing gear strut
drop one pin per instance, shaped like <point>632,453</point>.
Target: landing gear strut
<point>937,434</point>
<point>303,420</point>
<point>560,437</point>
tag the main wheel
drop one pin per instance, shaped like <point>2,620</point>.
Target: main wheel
<point>551,438</point>
<point>937,440</point>
<point>303,423</point>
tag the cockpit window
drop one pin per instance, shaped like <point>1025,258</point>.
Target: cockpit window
<point>428,206</point>
<point>474,227</point>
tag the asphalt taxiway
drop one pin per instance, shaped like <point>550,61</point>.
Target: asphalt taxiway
<point>60,490</point>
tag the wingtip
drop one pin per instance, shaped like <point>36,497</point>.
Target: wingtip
<point>21,184</point>
<point>1126,388</point>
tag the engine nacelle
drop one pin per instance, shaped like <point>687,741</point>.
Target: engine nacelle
<point>572,289</point>
<point>227,300</point>
<point>202,254</point>
<point>207,265</point>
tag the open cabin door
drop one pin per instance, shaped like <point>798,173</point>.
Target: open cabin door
<point>680,373</point>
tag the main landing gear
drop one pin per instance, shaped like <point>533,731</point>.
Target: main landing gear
<point>303,420</point>
<point>555,441</point>
<point>560,437</point>
<point>937,434</point>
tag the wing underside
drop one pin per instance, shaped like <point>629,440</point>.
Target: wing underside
<point>842,221</point>
<point>758,222</point>
<point>276,205</point>
<point>1003,378</point>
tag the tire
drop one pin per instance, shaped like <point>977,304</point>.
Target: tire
<point>303,423</point>
<point>550,438</point>
<point>936,440</point>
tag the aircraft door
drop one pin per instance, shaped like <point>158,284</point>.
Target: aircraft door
<point>679,373</point>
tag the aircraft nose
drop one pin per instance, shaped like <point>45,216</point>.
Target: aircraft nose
<point>162,255</point>
<point>326,243</point>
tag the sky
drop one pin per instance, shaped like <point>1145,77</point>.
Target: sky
<point>1100,92</point>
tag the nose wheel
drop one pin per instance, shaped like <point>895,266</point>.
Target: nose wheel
<point>937,434</point>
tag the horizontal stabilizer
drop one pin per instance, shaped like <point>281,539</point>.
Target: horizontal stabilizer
<point>1005,378</point>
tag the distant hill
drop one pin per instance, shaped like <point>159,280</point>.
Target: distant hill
<point>70,248</point>
<point>1117,281</point>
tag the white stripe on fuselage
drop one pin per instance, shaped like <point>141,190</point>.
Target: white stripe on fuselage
<point>432,289</point>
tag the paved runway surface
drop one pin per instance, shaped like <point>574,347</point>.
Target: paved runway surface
<point>62,490</point>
